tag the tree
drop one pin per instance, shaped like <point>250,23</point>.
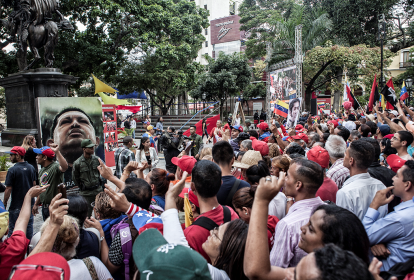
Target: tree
<point>225,76</point>
<point>107,32</point>
<point>356,21</point>
<point>323,68</point>
<point>166,68</point>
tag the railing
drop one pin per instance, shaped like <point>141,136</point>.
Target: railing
<point>405,64</point>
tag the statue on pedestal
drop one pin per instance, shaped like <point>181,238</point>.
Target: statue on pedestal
<point>34,24</point>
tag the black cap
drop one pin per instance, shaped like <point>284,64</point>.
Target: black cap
<point>243,136</point>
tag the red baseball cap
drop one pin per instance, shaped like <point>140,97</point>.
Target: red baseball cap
<point>45,259</point>
<point>191,196</point>
<point>389,136</point>
<point>263,126</point>
<point>319,155</point>
<point>17,150</point>
<point>298,127</point>
<point>301,136</point>
<point>395,162</point>
<point>47,151</point>
<point>237,127</point>
<point>186,163</point>
<point>260,146</point>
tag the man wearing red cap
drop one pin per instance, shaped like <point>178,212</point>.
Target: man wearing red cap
<point>302,139</point>
<point>328,189</point>
<point>20,178</point>
<point>263,131</point>
<point>50,174</point>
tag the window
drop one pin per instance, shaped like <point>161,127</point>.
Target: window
<point>206,31</point>
<point>228,48</point>
<point>406,56</point>
<point>206,43</point>
<point>205,7</point>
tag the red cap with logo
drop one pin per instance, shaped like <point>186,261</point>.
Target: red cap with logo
<point>319,155</point>
<point>301,136</point>
<point>17,150</point>
<point>395,162</point>
<point>298,127</point>
<point>260,146</point>
<point>186,163</point>
<point>47,151</point>
<point>263,126</point>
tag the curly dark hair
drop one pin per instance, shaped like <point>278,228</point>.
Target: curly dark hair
<point>103,207</point>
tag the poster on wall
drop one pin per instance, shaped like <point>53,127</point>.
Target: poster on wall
<point>293,114</point>
<point>110,135</point>
<point>283,83</point>
<point>66,121</point>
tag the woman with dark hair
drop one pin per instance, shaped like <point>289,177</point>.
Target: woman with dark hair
<point>255,172</point>
<point>204,128</point>
<point>89,239</point>
<point>386,150</point>
<point>329,224</point>
<point>159,180</point>
<point>243,203</point>
<point>147,154</point>
<point>365,130</point>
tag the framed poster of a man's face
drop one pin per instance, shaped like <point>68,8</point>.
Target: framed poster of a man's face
<point>66,121</point>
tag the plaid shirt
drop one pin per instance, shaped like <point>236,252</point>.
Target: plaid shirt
<point>338,172</point>
<point>122,157</point>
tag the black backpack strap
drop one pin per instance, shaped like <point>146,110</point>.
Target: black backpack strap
<point>232,191</point>
<point>226,214</point>
<point>206,223</point>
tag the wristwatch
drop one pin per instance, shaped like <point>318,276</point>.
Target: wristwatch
<point>102,238</point>
<point>290,199</point>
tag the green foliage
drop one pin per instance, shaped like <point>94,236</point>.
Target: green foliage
<point>166,68</point>
<point>254,90</point>
<point>226,76</point>
<point>3,162</point>
<point>363,99</point>
<point>124,133</point>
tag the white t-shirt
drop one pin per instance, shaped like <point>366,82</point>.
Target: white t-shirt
<point>133,123</point>
<point>277,206</point>
<point>406,157</point>
<point>79,271</point>
<point>237,121</point>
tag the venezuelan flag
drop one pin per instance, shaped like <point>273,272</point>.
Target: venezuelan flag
<point>281,108</point>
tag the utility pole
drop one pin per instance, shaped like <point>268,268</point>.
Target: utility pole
<point>382,32</point>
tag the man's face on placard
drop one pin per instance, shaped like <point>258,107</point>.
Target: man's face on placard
<point>71,128</point>
<point>295,110</point>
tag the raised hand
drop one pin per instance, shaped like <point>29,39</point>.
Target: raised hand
<point>54,147</point>
<point>132,165</point>
<point>105,171</point>
<point>58,208</point>
<point>36,190</point>
<point>269,187</point>
<point>118,201</point>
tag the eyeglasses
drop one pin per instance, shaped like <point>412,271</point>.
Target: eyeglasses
<point>215,234</point>
<point>46,268</point>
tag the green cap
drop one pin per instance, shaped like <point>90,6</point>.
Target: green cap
<point>87,143</point>
<point>247,121</point>
<point>154,256</point>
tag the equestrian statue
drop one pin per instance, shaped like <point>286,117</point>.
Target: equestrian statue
<point>34,24</point>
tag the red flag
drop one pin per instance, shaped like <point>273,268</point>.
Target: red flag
<point>374,95</point>
<point>389,94</point>
<point>210,123</point>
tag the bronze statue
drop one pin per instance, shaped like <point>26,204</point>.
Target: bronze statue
<point>35,23</point>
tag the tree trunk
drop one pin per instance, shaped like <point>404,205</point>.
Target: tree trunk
<point>337,95</point>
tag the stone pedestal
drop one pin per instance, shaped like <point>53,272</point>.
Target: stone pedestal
<point>22,89</point>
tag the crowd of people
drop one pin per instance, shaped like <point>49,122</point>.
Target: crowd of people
<point>330,198</point>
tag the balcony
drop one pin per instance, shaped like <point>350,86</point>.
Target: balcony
<point>405,64</point>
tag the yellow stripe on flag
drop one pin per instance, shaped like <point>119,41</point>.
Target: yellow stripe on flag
<point>102,87</point>
<point>110,100</point>
<point>188,213</point>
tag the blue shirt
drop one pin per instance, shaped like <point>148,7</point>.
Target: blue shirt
<point>395,231</point>
<point>264,135</point>
<point>410,149</point>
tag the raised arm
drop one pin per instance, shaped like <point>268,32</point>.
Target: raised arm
<point>106,172</point>
<point>256,256</point>
<point>63,164</point>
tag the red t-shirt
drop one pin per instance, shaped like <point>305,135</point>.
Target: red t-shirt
<point>328,190</point>
<point>271,226</point>
<point>213,136</point>
<point>197,235</point>
<point>12,252</point>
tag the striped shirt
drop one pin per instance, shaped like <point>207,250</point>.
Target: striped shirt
<point>338,173</point>
<point>286,251</point>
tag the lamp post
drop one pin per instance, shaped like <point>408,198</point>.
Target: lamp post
<point>382,30</point>
<point>409,85</point>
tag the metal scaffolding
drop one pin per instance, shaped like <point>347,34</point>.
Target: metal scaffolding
<point>298,60</point>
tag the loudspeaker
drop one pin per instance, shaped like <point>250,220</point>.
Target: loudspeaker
<point>314,107</point>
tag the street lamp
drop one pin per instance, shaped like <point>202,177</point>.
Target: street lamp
<point>409,84</point>
<point>203,96</point>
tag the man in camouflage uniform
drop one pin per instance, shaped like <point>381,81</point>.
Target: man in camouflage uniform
<point>85,173</point>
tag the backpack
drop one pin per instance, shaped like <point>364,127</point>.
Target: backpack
<point>123,228</point>
<point>399,270</point>
<point>209,224</point>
